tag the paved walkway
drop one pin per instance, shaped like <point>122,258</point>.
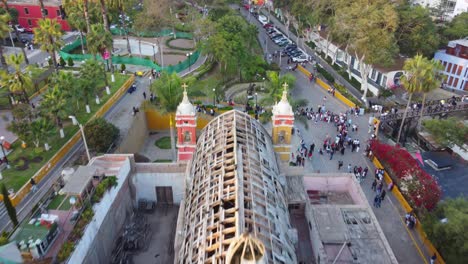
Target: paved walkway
<point>404,243</point>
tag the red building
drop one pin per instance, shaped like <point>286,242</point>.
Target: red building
<point>29,12</point>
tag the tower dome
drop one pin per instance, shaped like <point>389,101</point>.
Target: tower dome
<point>283,107</point>
<point>185,107</point>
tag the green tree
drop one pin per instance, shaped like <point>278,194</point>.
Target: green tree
<point>40,131</point>
<point>413,81</point>
<point>70,88</point>
<point>18,82</point>
<point>99,40</point>
<point>4,32</point>
<point>54,104</point>
<point>49,35</point>
<point>168,90</point>
<point>76,17</point>
<point>70,62</point>
<point>275,87</point>
<point>448,132</point>
<point>14,18</point>
<point>11,210</point>
<point>91,76</point>
<point>100,134</point>
<point>457,28</point>
<point>370,26</point>
<point>445,228</point>
<point>416,32</point>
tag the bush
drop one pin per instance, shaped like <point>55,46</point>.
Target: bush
<point>62,62</point>
<point>419,188</point>
<point>101,188</point>
<point>70,62</point>
<point>122,67</point>
<point>100,134</point>
<point>311,44</point>
<point>346,94</point>
<point>65,251</point>
<point>50,61</point>
<point>325,74</point>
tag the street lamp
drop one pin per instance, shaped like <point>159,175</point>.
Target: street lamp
<point>214,97</point>
<point>75,122</point>
<point>256,94</point>
<point>2,140</point>
<point>189,55</point>
<point>154,52</point>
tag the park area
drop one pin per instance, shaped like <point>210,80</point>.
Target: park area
<point>26,159</point>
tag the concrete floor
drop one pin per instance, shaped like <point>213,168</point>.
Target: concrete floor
<point>304,247</point>
<point>161,249</point>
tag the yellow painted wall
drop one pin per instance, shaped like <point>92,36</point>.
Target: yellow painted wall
<point>157,121</point>
<point>287,135</point>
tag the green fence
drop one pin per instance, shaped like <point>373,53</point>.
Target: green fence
<point>65,54</point>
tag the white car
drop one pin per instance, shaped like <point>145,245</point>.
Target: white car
<point>262,19</point>
<point>301,58</point>
<point>279,40</point>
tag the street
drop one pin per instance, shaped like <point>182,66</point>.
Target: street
<point>404,242</point>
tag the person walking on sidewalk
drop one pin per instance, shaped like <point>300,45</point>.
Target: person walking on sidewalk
<point>144,95</point>
<point>377,201</point>
<point>382,194</point>
<point>340,164</point>
<point>374,185</point>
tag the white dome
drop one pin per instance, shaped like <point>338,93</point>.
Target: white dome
<point>283,107</point>
<point>185,107</point>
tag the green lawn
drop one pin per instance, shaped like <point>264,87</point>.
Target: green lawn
<point>163,161</point>
<point>54,204</point>
<point>13,178</point>
<point>164,143</point>
<point>66,204</point>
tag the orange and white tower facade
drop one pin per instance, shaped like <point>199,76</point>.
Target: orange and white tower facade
<point>283,122</point>
<point>186,124</point>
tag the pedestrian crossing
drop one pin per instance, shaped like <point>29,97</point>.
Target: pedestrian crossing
<point>2,208</point>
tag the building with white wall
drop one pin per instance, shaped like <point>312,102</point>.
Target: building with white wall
<point>451,8</point>
<point>455,62</point>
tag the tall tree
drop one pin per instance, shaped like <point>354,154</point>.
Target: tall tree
<point>448,132</point>
<point>49,35</point>
<point>76,18</point>
<point>43,10</point>
<point>371,25</point>
<point>457,28</point>
<point>275,87</point>
<point>54,103</point>
<point>90,77</point>
<point>39,132</point>
<point>66,83</point>
<point>169,92</point>
<point>413,81</point>
<point>99,40</point>
<point>11,210</point>
<point>4,32</point>
<point>18,82</point>
<point>105,20</point>
<point>416,32</point>
<point>14,18</point>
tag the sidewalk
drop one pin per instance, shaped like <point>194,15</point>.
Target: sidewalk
<point>405,244</point>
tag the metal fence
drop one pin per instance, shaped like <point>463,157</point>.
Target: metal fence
<point>65,53</point>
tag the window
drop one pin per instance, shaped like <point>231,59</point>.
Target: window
<point>454,69</point>
<point>187,136</point>
<point>46,12</point>
<point>455,82</point>
<point>29,22</point>
<point>58,13</point>
<point>26,11</point>
<point>449,67</point>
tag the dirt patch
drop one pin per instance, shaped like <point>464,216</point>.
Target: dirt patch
<point>171,59</point>
<point>182,43</point>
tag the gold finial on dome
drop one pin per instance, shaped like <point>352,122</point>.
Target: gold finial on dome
<point>284,98</point>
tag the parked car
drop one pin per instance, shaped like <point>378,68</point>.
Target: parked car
<point>301,58</point>
<point>278,36</point>
<point>268,25</point>
<point>284,43</point>
<point>296,53</point>
<point>278,40</point>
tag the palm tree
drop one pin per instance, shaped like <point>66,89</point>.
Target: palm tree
<point>121,5</point>
<point>7,9</point>
<point>76,18</point>
<point>99,40</point>
<point>91,76</point>
<point>416,70</point>
<point>54,103</point>
<point>40,130</point>
<point>4,32</point>
<point>432,81</point>
<point>168,91</point>
<point>49,35</point>
<point>72,91</point>
<point>17,82</point>
<point>105,20</point>
<point>274,86</point>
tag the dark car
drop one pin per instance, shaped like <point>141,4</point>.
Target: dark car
<point>271,30</point>
<point>278,36</point>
